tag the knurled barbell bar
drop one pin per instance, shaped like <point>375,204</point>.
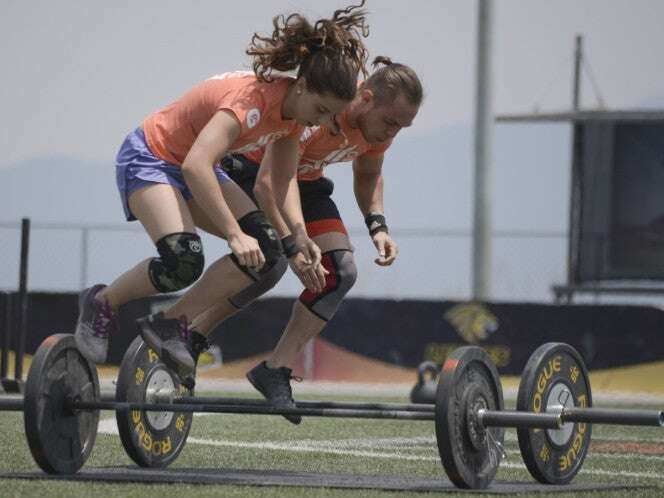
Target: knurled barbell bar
<point>62,402</point>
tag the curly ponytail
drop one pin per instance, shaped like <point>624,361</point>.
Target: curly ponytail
<point>393,79</point>
<point>329,53</point>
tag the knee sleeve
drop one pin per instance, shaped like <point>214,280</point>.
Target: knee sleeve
<point>257,226</point>
<point>342,275</point>
<point>180,264</point>
<point>263,282</point>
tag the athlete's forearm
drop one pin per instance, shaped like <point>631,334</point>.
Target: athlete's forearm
<point>368,188</point>
<point>203,183</point>
<point>276,189</point>
<point>268,204</point>
<point>292,209</point>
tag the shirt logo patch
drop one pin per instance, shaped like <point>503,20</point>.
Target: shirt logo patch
<point>253,117</point>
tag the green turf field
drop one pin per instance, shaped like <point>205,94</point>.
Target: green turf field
<point>624,455</point>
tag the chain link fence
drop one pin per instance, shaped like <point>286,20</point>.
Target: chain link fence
<point>432,264</point>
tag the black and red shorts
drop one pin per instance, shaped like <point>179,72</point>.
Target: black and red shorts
<point>320,212</point>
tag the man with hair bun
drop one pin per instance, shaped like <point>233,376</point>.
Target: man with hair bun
<point>385,103</point>
<point>170,178</point>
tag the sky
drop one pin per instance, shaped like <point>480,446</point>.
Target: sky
<point>78,76</point>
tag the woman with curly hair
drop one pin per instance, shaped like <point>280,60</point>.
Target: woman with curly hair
<point>170,178</point>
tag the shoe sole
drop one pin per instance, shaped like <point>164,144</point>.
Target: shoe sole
<point>182,371</point>
<point>293,419</point>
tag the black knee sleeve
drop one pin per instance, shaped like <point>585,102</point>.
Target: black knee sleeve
<point>342,275</point>
<point>257,226</point>
<point>180,264</point>
<point>263,282</point>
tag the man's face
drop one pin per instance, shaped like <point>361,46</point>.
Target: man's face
<point>381,122</point>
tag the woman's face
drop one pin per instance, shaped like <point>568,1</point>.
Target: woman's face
<point>313,109</point>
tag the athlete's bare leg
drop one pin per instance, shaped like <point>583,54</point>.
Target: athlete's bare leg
<point>162,210</point>
<point>223,278</point>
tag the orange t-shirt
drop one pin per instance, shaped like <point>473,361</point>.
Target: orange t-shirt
<point>319,146</point>
<point>171,131</point>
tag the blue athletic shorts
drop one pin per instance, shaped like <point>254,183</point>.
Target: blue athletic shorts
<point>137,167</point>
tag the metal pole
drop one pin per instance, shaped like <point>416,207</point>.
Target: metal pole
<point>481,264</point>
<point>11,404</point>
<point>575,176</point>
<point>408,407</point>
<point>84,257</point>
<point>578,56</point>
<point>616,417</point>
<point>6,338</point>
<point>22,298</point>
<point>253,410</point>
<point>485,418</point>
<point>506,418</point>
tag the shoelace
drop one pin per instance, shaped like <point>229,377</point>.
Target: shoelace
<point>184,330</point>
<point>104,318</point>
<point>288,377</point>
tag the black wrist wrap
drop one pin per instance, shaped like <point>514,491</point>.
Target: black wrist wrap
<point>288,243</point>
<point>375,223</point>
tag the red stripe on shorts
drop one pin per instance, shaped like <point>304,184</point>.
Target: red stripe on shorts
<point>320,227</point>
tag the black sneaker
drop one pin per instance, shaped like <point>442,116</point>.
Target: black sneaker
<point>196,344</point>
<point>169,337</point>
<point>274,384</point>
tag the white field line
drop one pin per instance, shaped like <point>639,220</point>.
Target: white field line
<point>629,456</point>
<point>297,447</point>
<point>422,441</point>
<point>378,443</point>
<point>343,447</point>
<point>422,445</point>
<point>430,447</point>
<point>108,426</point>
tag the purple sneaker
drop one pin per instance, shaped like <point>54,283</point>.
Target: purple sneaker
<point>95,321</point>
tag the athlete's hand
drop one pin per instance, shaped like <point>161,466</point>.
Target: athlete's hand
<point>313,257</point>
<point>386,247</point>
<point>246,250</point>
<point>312,277</point>
<point>308,248</point>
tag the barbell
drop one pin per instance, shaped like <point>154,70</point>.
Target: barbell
<point>154,411</point>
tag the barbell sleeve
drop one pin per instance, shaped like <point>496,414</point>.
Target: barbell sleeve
<point>612,416</point>
<point>11,404</point>
<point>507,418</point>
